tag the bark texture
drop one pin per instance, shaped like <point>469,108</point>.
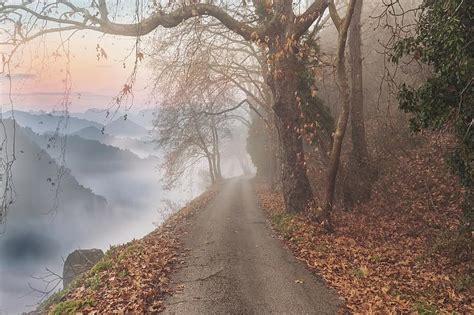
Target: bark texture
<point>283,80</point>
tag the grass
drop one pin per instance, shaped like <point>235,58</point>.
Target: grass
<point>103,264</point>
<point>90,279</point>
<point>132,248</point>
<point>53,299</point>
<point>358,273</point>
<point>93,282</point>
<point>424,308</point>
<point>283,223</point>
<point>71,306</point>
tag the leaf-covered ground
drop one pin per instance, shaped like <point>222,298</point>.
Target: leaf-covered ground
<point>131,278</point>
<point>398,253</point>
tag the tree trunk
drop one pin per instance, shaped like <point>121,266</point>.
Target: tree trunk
<point>341,125</point>
<point>295,184</point>
<point>217,154</point>
<point>211,169</point>
<point>357,186</point>
<point>275,163</point>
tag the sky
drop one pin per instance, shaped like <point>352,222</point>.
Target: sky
<point>40,67</point>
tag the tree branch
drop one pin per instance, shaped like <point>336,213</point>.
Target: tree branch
<point>335,15</point>
<point>166,20</point>
<point>304,21</point>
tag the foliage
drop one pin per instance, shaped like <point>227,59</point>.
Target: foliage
<point>313,108</point>
<point>443,39</point>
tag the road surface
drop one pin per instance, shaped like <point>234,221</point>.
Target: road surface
<point>235,265</point>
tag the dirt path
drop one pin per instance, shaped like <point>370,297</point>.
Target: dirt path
<point>235,265</point>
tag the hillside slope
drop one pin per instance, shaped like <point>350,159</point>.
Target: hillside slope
<point>49,216</point>
<point>96,165</point>
<point>44,122</point>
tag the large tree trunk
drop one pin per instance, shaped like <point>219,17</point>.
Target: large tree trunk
<point>357,185</point>
<point>211,169</point>
<point>295,184</point>
<point>216,153</point>
<point>275,152</point>
<point>341,125</point>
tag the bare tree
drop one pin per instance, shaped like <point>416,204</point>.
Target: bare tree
<point>342,25</point>
<point>232,62</point>
<point>357,185</point>
<point>186,137</point>
<point>272,24</point>
<point>189,128</point>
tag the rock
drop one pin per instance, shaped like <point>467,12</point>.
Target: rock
<point>80,261</point>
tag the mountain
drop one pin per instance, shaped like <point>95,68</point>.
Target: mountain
<point>44,193</point>
<point>145,117</point>
<point>93,133</point>
<point>93,114</point>
<point>119,175</point>
<point>42,123</point>
<point>125,128</point>
<point>51,215</point>
<point>142,148</point>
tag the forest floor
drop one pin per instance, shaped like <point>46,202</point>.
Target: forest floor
<point>401,251</point>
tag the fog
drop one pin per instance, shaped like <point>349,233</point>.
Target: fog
<point>105,195</point>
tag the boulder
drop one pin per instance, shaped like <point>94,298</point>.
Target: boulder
<point>80,261</point>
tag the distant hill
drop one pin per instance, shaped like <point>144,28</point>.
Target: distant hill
<point>48,219</point>
<point>145,117</point>
<point>36,178</point>
<point>93,114</point>
<point>142,148</point>
<point>93,133</point>
<point>43,123</point>
<point>104,168</point>
<point>125,128</point>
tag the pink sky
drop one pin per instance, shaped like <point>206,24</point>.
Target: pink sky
<point>38,74</point>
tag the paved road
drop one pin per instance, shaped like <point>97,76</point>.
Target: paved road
<point>235,265</point>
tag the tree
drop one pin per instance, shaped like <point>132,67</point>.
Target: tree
<point>443,40</point>
<point>230,61</point>
<point>192,120</point>
<point>342,26</point>
<point>272,24</point>
<point>357,186</point>
<point>187,134</point>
